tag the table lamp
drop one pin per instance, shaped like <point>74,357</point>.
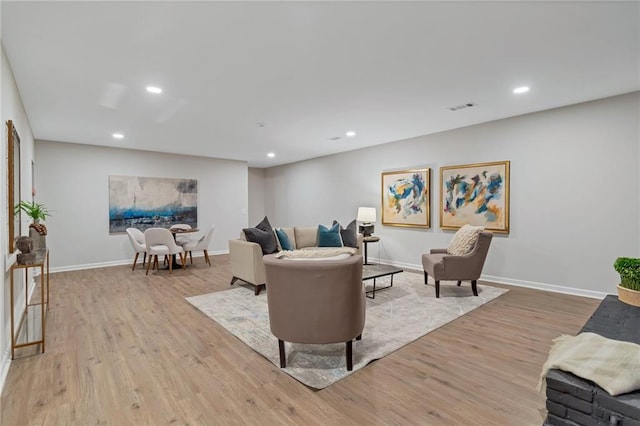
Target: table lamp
<point>366,215</point>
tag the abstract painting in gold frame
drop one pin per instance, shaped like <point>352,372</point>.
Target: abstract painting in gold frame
<point>406,198</point>
<point>475,194</point>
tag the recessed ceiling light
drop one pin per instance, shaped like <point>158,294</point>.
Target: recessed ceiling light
<point>351,133</point>
<point>271,155</point>
<point>154,89</point>
<point>523,89</point>
<point>118,136</point>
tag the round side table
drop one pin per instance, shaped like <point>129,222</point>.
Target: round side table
<point>366,241</point>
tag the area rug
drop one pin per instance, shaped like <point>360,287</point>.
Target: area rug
<point>396,317</point>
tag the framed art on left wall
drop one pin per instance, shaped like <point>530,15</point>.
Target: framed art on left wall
<point>13,186</point>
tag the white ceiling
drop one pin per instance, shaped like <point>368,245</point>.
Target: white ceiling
<point>309,71</point>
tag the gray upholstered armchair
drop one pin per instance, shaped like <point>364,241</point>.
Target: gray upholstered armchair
<point>315,301</point>
<point>468,267</point>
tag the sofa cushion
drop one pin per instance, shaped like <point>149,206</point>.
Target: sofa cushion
<point>306,236</point>
<point>349,234</point>
<point>464,240</point>
<point>262,234</point>
<point>283,239</point>
<point>329,237</point>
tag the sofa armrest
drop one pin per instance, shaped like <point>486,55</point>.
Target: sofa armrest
<point>246,261</point>
<point>438,250</point>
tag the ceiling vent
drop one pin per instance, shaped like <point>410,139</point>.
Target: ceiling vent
<point>463,106</point>
<point>335,138</point>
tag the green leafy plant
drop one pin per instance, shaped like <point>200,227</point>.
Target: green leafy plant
<point>629,270</point>
<point>35,211</point>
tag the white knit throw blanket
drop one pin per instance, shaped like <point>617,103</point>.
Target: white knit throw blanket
<point>611,364</point>
<point>319,252</point>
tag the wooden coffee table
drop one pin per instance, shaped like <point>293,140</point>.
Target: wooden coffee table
<point>371,272</point>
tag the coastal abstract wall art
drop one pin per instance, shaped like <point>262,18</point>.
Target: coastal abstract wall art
<point>146,202</point>
<point>406,198</point>
<point>475,194</point>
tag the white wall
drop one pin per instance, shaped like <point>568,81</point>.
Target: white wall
<point>11,109</point>
<point>73,181</point>
<point>256,195</point>
<point>575,195</point>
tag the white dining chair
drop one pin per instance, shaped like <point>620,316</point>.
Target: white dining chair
<point>201,244</point>
<point>136,237</point>
<point>181,239</point>
<point>160,242</point>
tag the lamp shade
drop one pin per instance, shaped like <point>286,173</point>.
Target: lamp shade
<point>367,214</point>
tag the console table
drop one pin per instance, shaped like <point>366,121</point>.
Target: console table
<point>31,325</point>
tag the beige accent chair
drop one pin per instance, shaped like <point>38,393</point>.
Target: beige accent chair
<point>315,301</point>
<point>160,243</point>
<point>136,237</point>
<point>246,257</point>
<point>443,266</point>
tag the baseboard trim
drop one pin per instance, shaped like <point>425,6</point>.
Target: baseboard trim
<point>510,281</point>
<point>70,268</point>
<point>5,363</point>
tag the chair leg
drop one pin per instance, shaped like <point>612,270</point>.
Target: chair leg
<point>474,287</point>
<point>459,282</point>
<point>191,256</point>
<point>257,288</point>
<point>233,280</point>
<point>349,355</point>
<point>135,259</point>
<point>206,257</point>
<point>171,267</point>
<point>437,289</point>
<point>148,265</point>
<point>144,259</point>
<point>183,258</point>
<point>283,359</point>
<point>426,277</point>
<point>155,262</point>
<point>359,337</point>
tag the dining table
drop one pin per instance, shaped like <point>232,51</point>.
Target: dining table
<point>175,231</point>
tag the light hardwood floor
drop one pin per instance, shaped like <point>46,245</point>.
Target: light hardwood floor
<point>127,349</point>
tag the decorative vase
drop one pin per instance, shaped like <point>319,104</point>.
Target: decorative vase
<point>39,241</point>
<point>628,296</point>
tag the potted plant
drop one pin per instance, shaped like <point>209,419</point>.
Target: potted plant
<point>37,212</point>
<point>629,287</point>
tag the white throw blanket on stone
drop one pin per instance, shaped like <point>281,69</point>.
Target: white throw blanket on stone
<point>316,252</point>
<point>611,364</point>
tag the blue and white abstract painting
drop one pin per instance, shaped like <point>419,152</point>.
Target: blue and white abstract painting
<point>147,202</point>
<point>405,198</point>
<point>475,194</point>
